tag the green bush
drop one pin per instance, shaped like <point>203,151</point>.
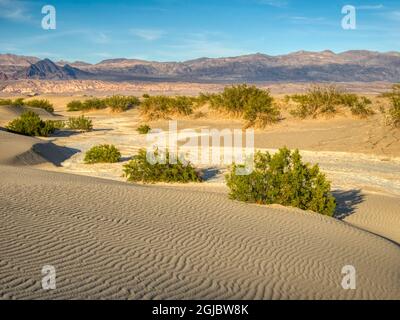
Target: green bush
<point>58,124</point>
<point>144,129</point>
<point>361,107</point>
<point>283,179</point>
<point>30,124</point>
<point>115,103</point>
<point>94,104</point>
<point>75,105</point>
<point>326,100</point>
<point>104,153</point>
<point>6,102</point>
<point>254,105</point>
<point>394,111</point>
<point>162,107</point>
<point>146,95</point>
<point>80,123</point>
<point>140,170</point>
<point>121,103</point>
<point>42,104</point>
<point>18,102</point>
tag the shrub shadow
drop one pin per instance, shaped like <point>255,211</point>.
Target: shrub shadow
<point>209,173</point>
<point>64,133</point>
<point>347,202</point>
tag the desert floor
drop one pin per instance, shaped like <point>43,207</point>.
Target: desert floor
<point>111,239</point>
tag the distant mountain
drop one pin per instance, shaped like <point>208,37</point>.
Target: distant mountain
<point>301,66</point>
<point>3,76</point>
<point>48,70</point>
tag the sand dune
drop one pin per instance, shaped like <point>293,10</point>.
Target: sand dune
<point>8,113</point>
<point>114,240</point>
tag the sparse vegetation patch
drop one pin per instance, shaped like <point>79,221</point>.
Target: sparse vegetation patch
<point>254,105</point>
<point>163,107</point>
<point>104,153</point>
<point>30,124</point>
<point>144,129</point>
<point>326,100</point>
<point>80,123</point>
<point>115,103</point>
<point>140,170</point>
<point>283,179</point>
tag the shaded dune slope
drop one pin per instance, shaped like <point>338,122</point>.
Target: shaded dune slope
<point>11,112</point>
<point>22,150</point>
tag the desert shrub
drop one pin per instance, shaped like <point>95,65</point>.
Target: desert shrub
<point>18,102</point>
<point>162,107</point>
<point>80,123</point>
<point>104,153</point>
<point>58,124</point>
<point>6,102</point>
<point>75,105</point>
<point>361,107</point>
<point>283,179</point>
<point>42,104</point>
<point>121,103</point>
<point>140,170</point>
<point>254,105</point>
<point>146,95</point>
<point>94,104</point>
<point>144,129</point>
<point>326,100</point>
<point>394,111</point>
<point>30,124</point>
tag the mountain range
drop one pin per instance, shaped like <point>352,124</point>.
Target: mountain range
<point>302,66</point>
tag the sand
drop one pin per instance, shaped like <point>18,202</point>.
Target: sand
<point>109,239</point>
<point>113,240</point>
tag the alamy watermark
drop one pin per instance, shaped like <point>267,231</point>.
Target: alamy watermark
<point>49,21</point>
<point>349,21</point>
<point>207,147</point>
<point>49,277</point>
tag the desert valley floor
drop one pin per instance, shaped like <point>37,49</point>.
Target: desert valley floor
<point>112,239</point>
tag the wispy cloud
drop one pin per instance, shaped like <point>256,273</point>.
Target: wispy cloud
<point>274,3</point>
<point>14,10</point>
<point>148,34</point>
<point>371,7</point>
<point>201,44</point>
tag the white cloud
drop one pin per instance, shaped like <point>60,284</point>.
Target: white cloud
<point>14,10</point>
<point>274,3</point>
<point>370,7</point>
<point>195,45</point>
<point>148,34</point>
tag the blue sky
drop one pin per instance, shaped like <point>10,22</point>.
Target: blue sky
<point>177,30</point>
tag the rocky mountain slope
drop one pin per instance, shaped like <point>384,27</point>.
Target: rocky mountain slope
<point>364,66</point>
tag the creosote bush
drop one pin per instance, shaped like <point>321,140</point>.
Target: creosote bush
<point>19,102</point>
<point>42,104</point>
<point>254,105</point>
<point>121,103</point>
<point>80,123</point>
<point>6,102</point>
<point>144,129</point>
<point>394,111</point>
<point>140,170</point>
<point>115,103</point>
<point>283,179</point>
<point>30,124</point>
<point>104,153</point>
<point>325,100</point>
<point>162,107</point>
<point>75,105</point>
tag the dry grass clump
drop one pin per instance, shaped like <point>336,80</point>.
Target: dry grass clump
<point>326,100</point>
